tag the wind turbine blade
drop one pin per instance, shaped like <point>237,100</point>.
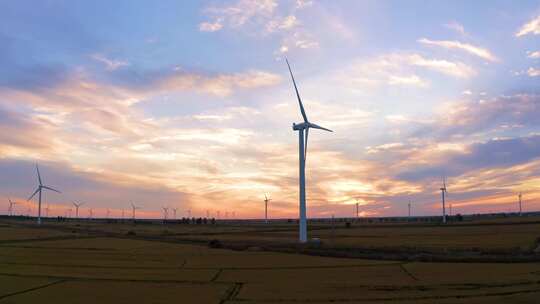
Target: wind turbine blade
<point>265,197</point>
<point>314,126</point>
<point>37,190</point>
<point>39,175</point>
<point>297,94</point>
<point>49,188</point>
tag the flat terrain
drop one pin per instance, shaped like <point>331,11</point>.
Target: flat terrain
<point>83,262</point>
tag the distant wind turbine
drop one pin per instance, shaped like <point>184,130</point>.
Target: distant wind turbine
<point>443,193</point>
<point>77,208</point>
<point>357,209</point>
<point>174,212</point>
<point>519,197</point>
<point>47,211</point>
<point>165,213</point>
<point>409,209</point>
<point>11,204</point>
<point>266,200</point>
<point>133,208</point>
<point>39,190</point>
<point>302,153</point>
<point>90,213</point>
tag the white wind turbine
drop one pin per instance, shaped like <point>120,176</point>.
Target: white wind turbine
<point>133,208</point>
<point>165,213</point>
<point>266,200</point>
<point>77,208</point>
<point>302,145</point>
<point>11,204</point>
<point>174,212</point>
<point>444,192</point>
<point>519,197</point>
<point>39,189</point>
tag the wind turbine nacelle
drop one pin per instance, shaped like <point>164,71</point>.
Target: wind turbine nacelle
<point>300,126</point>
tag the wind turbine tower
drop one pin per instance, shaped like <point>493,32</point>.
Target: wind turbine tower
<point>133,208</point>
<point>266,200</point>
<point>11,204</point>
<point>165,213</point>
<point>409,205</point>
<point>443,193</point>
<point>77,208</point>
<point>39,190</point>
<point>174,212</point>
<point>357,209</point>
<point>303,134</point>
<point>519,197</point>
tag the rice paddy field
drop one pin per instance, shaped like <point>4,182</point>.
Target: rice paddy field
<point>104,262</point>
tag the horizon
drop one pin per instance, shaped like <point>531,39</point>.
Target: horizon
<point>189,105</point>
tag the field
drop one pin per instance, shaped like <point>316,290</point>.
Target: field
<point>99,262</point>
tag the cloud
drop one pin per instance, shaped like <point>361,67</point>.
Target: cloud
<point>471,49</point>
<point>534,55</point>
<point>455,26</point>
<point>533,72</point>
<point>492,154</point>
<point>531,27</point>
<point>238,14</point>
<point>285,23</point>
<point>110,64</point>
<point>211,26</point>
<point>471,117</point>
<point>399,69</point>
<point>456,69</point>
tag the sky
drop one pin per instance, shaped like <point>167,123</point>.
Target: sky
<point>189,105</point>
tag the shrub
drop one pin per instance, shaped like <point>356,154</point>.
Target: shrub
<point>215,244</point>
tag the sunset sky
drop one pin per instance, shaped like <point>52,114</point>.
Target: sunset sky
<point>189,104</point>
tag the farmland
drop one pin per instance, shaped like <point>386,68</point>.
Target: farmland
<point>89,262</point>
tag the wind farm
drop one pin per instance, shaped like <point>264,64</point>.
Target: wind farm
<point>270,151</point>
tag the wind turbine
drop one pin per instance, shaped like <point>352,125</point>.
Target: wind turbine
<point>77,208</point>
<point>47,211</point>
<point>11,204</point>
<point>165,213</point>
<point>133,208</point>
<point>90,213</point>
<point>266,200</point>
<point>357,205</point>
<point>409,205</point>
<point>302,152</point>
<point>39,189</point>
<point>519,196</point>
<point>443,193</point>
<point>174,212</point>
<point>450,209</point>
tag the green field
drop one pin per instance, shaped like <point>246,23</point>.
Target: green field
<point>101,263</point>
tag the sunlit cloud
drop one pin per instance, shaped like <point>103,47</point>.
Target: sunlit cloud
<point>471,49</point>
<point>110,64</point>
<point>534,55</point>
<point>531,27</point>
<point>533,72</point>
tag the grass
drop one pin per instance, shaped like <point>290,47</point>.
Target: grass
<point>95,264</point>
